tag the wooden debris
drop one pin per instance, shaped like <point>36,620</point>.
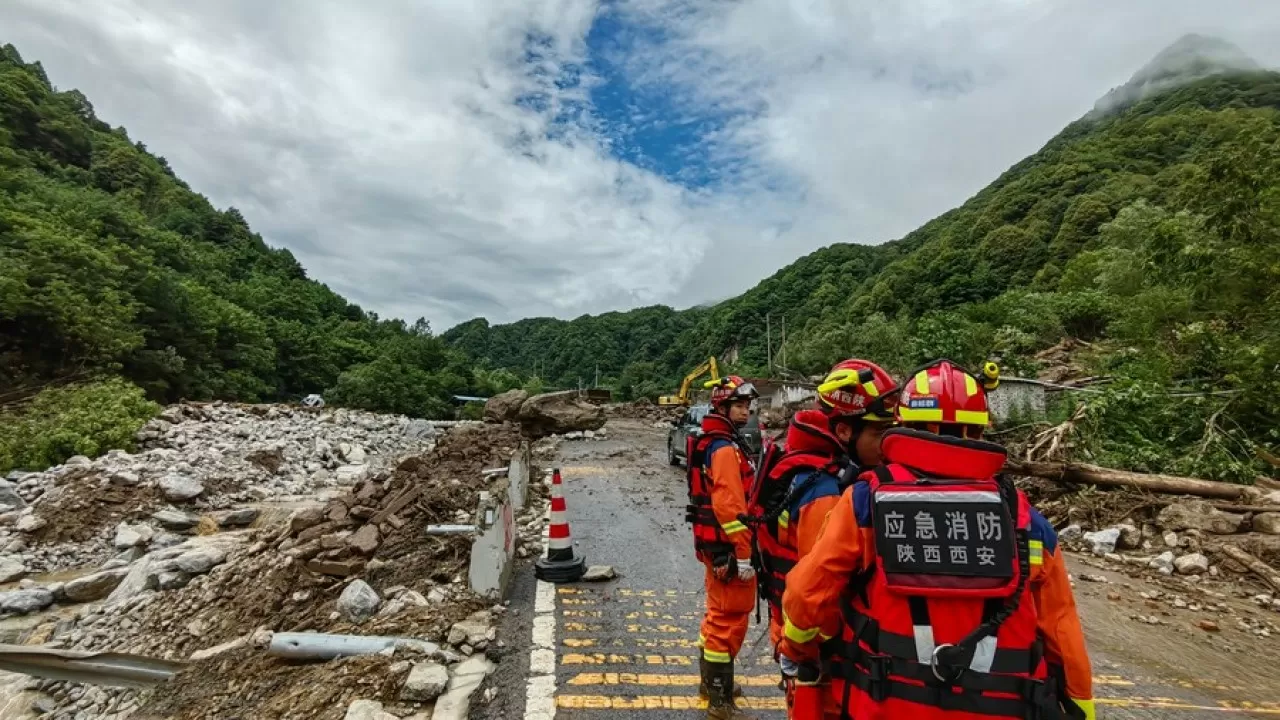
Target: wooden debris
<point>1104,477</point>
<point>1268,574</point>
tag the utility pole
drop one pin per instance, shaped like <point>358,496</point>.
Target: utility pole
<point>597,383</point>
<point>782,350</point>
<point>768,342</point>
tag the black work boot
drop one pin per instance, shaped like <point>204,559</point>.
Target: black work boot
<point>720,686</point>
<point>703,693</point>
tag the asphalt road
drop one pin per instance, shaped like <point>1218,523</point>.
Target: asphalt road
<point>627,648</point>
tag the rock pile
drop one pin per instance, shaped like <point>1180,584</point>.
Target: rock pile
<point>196,460</point>
<point>441,487</point>
<point>644,410</point>
<point>1183,539</point>
<point>360,564</point>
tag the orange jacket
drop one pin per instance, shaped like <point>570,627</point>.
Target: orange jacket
<point>804,529</point>
<point>811,604</point>
<point>729,497</point>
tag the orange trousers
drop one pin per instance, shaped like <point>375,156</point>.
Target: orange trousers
<point>729,607</point>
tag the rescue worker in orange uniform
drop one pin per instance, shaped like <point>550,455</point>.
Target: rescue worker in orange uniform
<point>836,440</point>
<point>946,590</point>
<point>719,471</point>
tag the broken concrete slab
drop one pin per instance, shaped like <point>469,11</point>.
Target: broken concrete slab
<point>467,677</point>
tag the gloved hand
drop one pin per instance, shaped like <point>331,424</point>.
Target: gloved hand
<point>745,570</point>
<point>790,668</point>
<point>1080,709</point>
<point>725,567</point>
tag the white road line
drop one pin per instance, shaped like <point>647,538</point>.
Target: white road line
<point>540,696</point>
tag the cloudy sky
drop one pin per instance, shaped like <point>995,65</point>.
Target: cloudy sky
<point>512,158</point>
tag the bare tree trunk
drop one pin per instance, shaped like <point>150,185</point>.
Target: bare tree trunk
<point>1105,477</point>
<point>1269,575</point>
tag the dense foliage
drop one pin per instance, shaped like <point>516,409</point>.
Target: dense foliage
<point>110,265</point>
<point>1151,232</point>
<point>84,419</point>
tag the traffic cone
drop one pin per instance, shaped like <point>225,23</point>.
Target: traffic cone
<point>559,565</point>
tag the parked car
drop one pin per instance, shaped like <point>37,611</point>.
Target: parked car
<point>691,422</point>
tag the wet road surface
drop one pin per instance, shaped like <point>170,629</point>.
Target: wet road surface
<point>628,648</point>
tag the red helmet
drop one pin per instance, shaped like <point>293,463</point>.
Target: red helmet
<point>730,388</point>
<point>858,389</point>
<point>941,393</point>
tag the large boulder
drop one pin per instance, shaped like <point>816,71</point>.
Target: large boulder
<point>178,488</point>
<point>25,601</point>
<point>358,602</point>
<point>9,495</point>
<point>505,407</point>
<point>558,413</point>
<point>1268,522</point>
<point>1199,515</point>
<point>95,586</point>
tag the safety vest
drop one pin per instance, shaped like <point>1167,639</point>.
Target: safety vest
<point>709,538</point>
<point>943,626</point>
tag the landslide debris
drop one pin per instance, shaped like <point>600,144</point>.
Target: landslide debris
<point>359,563</point>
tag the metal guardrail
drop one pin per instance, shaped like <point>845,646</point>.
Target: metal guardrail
<point>103,668</point>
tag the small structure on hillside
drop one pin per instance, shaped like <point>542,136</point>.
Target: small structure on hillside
<point>781,393</point>
<point>1018,399</point>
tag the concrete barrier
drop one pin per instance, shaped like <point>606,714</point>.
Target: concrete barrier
<point>494,545</point>
<point>519,474</point>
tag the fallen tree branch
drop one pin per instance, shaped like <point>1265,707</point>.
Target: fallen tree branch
<point>1105,477</point>
<point>1269,575</point>
<point>1232,507</point>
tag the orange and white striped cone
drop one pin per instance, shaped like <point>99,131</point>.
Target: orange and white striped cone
<point>559,565</point>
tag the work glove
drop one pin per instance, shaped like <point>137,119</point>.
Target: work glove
<point>1080,709</point>
<point>790,668</point>
<point>745,570</point>
<point>724,567</point>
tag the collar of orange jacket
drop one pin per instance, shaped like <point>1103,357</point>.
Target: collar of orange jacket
<point>942,456</point>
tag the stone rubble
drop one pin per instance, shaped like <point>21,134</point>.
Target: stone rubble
<point>209,576</point>
<point>196,460</point>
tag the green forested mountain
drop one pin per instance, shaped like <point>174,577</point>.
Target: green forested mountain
<point>110,266</point>
<point>1151,231</point>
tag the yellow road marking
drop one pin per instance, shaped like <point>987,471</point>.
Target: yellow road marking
<point>612,678</point>
<point>616,659</point>
<point>1172,704</point>
<point>662,628</point>
<point>1110,680</point>
<point>611,659</point>
<point>651,615</point>
<point>584,613</point>
<point>570,591</point>
<point>579,642</point>
<point>659,702</point>
<point>674,702</point>
<point>666,643</point>
<point>576,601</point>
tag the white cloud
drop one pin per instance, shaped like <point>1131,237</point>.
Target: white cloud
<point>383,144</point>
<point>889,114</point>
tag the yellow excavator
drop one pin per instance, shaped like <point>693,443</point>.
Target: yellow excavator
<point>682,398</point>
